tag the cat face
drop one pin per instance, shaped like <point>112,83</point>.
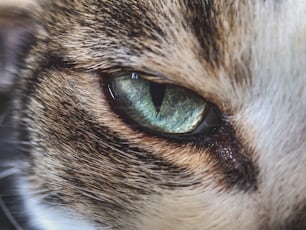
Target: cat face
<point>102,99</point>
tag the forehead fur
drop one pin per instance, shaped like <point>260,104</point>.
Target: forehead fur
<point>184,42</point>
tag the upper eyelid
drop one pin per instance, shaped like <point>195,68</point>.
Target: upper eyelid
<point>149,76</point>
<point>145,74</point>
<point>156,79</point>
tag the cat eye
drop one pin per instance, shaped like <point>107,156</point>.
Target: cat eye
<point>161,108</point>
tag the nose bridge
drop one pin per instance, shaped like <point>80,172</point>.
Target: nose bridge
<point>277,111</point>
<point>278,70</point>
<point>279,132</point>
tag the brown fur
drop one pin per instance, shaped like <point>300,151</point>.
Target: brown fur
<point>85,156</point>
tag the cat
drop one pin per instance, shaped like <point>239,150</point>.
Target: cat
<point>143,115</point>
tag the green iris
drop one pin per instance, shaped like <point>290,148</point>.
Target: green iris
<point>161,107</point>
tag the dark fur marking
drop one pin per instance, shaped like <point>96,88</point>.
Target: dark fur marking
<point>50,62</point>
<point>202,19</point>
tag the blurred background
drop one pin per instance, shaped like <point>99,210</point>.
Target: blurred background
<point>15,22</point>
<point>15,25</point>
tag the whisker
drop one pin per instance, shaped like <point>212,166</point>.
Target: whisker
<point>9,216</point>
<point>42,194</point>
<point>27,143</point>
<point>8,172</point>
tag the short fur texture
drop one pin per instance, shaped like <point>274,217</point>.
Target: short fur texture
<point>86,165</point>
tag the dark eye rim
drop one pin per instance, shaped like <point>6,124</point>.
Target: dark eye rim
<point>213,116</point>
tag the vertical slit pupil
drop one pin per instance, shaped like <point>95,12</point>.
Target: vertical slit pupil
<point>157,92</point>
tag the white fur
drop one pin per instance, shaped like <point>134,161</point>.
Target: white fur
<point>276,110</point>
<point>46,217</point>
